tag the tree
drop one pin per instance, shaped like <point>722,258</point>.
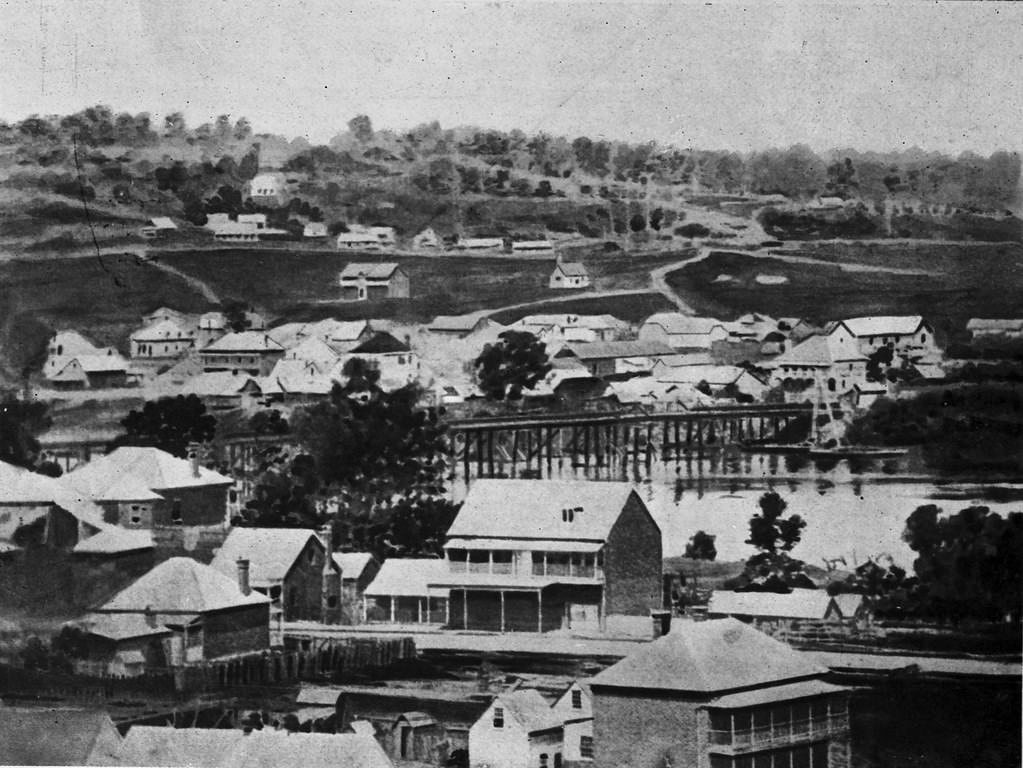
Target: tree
<point>170,424</point>
<point>772,568</point>
<point>361,128</point>
<point>236,313</point>
<point>20,422</point>
<point>878,363</point>
<point>701,547</point>
<point>516,362</point>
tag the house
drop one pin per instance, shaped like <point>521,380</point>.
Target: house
<point>574,709</point>
<point>210,327</point>
<point>401,593</point>
<point>532,246</point>
<point>255,220</point>
<point>315,230</point>
<point>461,326</point>
<point>146,488</point>
<point>722,380</point>
<point>268,190</point>
<point>682,332</point>
<point>397,364</point>
<point>163,340</point>
<point>370,282</point>
<point>46,735</point>
<point>358,569</point>
<point>809,604</point>
<point>909,336</point>
<point>833,363</point>
<point>986,328</point>
<point>341,335</point>
<point>606,358</point>
<point>252,352</point>
<point>296,381</point>
<point>569,274</point>
<point>314,350</point>
<point>234,231</point>
<point>570,327</point>
<point>479,244</point>
<point>426,240</point>
<point>288,565</point>
<point>718,693</point>
<point>654,395</point>
<point>518,730</point>
<point>157,226</point>
<point>90,372</point>
<point>358,241</point>
<point>210,615</point>
<point>534,557</point>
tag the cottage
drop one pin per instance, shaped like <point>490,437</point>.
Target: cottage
<point>210,327</point>
<point>654,395</point>
<point>252,352</point>
<point>358,569</point>
<point>358,241</point>
<point>268,190</point>
<point>461,326</point>
<point>209,615</point>
<point>682,332</point>
<point>607,358</point>
<point>296,381</point>
<point>518,730</point>
<point>314,350</point>
<point>401,593</point>
<point>718,693</point>
<point>43,735</point>
<point>570,274</point>
<point>163,340</point>
<point>394,360</point>
<point>158,226</point>
<point>569,555</point>
<point>370,282</point>
<point>426,240</point>
<point>909,336</point>
<point>146,488</point>
<point>288,565</point>
<point>815,604</point>
<point>574,709</point>
<point>572,328</point>
<point>91,372</point>
<point>980,328</point>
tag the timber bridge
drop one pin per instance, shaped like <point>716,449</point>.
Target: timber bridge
<point>531,445</point>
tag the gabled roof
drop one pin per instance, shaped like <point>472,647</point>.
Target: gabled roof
<point>677,323</point>
<point>183,585</point>
<point>352,564</point>
<point>407,577</point>
<point>462,323</point>
<point>102,363</point>
<point>529,709</point>
<point>271,552</point>
<point>219,384</point>
<point>272,749</point>
<point>380,343</point>
<point>526,509</point>
<point>571,268</point>
<point>55,736</point>
<point>884,325</point>
<point>601,350</point>
<point>74,343</point>
<point>714,375</point>
<point>164,330</point>
<point>313,349</point>
<point>115,540</point>
<point>149,745</point>
<point>708,657</point>
<point>162,222</point>
<point>994,324</point>
<point>848,604</point>
<point>381,271</point>
<point>246,341</point>
<point>22,486</point>
<point>797,604</point>
<point>813,351</point>
<point>120,626</point>
<point>157,469</point>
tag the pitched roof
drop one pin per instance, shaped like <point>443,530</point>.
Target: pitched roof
<point>464,323</point>
<point>538,509</point>
<point>101,363</point>
<point>23,486</point>
<point>677,323</point>
<point>812,351</point>
<point>380,343</point>
<point>381,271</point>
<point>114,540</point>
<point>164,330</point>
<point>884,325</point>
<point>848,604</point>
<point>600,350</point>
<point>182,585</point>
<point>572,268</point>
<point>994,324</point>
<point>52,736</point>
<point>776,693</point>
<point>74,343</point>
<point>271,552</point>
<point>714,375</point>
<point>246,341</point>
<point>708,657</point>
<point>352,564</point>
<point>149,745</point>
<point>163,222</point>
<point>529,709</point>
<point>119,626</point>
<point>219,384</point>
<point>407,577</point>
<point>297,377</point>
<point>157,470</point>
<point>271,749</point>
<point>313,349</point>
<point>797,604</point>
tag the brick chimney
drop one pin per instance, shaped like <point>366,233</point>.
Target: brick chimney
<point>193,458</point>
<point>243,576</point>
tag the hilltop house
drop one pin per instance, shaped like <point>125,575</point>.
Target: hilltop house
<point>682,332</point>
<point>532,246</point>
<point>426,240</point>
<point>147,488</point>
<point>290,566</point>
<point>518,730</point>
<point>479,244</point>
<point>252,352</point>
<point>718,693</point>
<point>570,274</point>
<point>181,612</point>
<point>574,709</point>
<point>607,358</point>
<point>370,282</point>
<point>164,340</point>
<point>48,735</point>
<point>268,190</point>
<point>315,230</point>
<point>568,555</point>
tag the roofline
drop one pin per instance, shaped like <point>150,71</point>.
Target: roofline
<point>673,692</point>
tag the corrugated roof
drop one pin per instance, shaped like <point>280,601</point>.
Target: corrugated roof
<point>381,271</point>
<point>526,509</point>
<point>352,564</point>
<point>600,350</point>
<point>797,604</point>
<point>406,577</point>
<point>182,585</point>
<point>775,694</point>
<point>271,552</point>
<point>246,341</point>
<point>272,749</point>
<point>148,745</point>
<point>529,709</point>
<point>708,657</point>
<point>157,469</point>
<point>884,325</point>
<point>55,736</point>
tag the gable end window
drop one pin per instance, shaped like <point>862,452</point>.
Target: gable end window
<point>498,717</point>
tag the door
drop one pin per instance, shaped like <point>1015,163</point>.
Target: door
<point>406,741</point>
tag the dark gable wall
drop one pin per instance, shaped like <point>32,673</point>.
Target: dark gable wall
<point>303,586</point>
<point>639,730</point>
<point>236,630</point>
<point>632,562</point>
<point>205,505</point>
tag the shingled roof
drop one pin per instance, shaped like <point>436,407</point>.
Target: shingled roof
<point>271,552</point>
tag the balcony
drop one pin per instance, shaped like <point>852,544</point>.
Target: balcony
<point>779,735</point>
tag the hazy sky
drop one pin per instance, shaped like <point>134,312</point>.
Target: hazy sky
<point>946,76</point>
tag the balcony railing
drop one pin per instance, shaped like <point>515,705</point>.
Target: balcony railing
<point>793,732</point>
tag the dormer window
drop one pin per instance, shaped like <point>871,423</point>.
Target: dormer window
<point>577,699</point>
<point>499,717</point>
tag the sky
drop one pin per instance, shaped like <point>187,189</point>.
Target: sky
<point>945,76</point>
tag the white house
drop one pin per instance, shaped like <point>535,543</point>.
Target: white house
<point>682,331</point>
<point>721,379</point>
<point>833,362</point>
<point>268,189</point>
<point>570,274</point>
<point>163,340</point>
<point>572,328</point>
<point>518,730</point>
<point>480,244</point>
<point>908,335</point>
<point>367,282</point>
<point>397,364</point>
<point>315,230</point>
<point>574,709</point>
<point>427,239</point>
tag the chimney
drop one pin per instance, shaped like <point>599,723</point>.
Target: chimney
<point>243,576</point>
<point>193,458</point>
<point>150,617</point>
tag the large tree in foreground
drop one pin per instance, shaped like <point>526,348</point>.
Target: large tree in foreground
<point>170,423</point>
<point>516,362</point>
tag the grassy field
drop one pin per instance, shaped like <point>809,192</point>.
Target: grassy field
<point>632,307</point>
<point>958,283</point>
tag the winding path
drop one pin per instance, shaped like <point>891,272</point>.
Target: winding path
<point>202,287</point>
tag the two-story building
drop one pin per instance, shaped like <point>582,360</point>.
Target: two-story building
<point>534,557</point>
<point>163,340</point>
<point>574,709</point>
<point>832,363</point>
<point>370,282</point>
<point>268,190</point>
<point>909,336</point>
<point>718,694</point>
<point>253,352</point>
<point>74,362</point>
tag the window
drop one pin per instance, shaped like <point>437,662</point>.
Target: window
<point>586,746</point>
<point>176,511</point>
<point>543,760</point>
<point>499,717</point>
<point>577,699</point>
<point>332,601</point>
